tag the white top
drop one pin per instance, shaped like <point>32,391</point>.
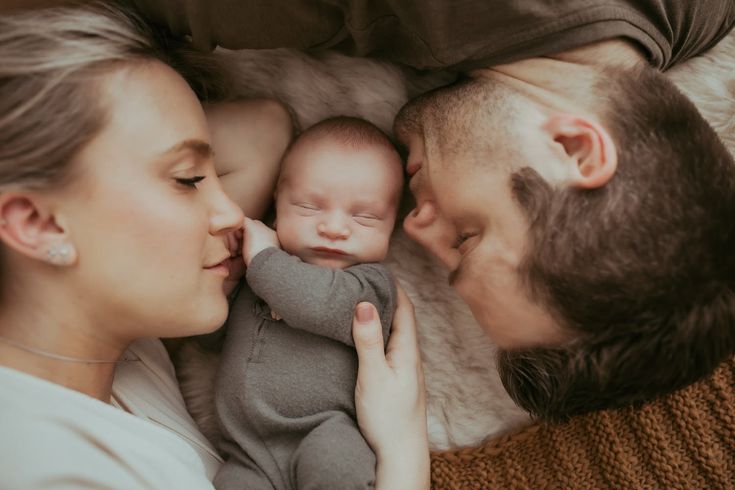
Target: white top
<point>54,437</point>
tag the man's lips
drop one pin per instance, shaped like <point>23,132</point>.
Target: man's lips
<point>327,250</point>
<point>413,167</point>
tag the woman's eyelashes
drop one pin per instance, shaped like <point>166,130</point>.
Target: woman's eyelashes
<point>190,182</point>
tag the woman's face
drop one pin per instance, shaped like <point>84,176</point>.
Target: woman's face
<point>147,214</point>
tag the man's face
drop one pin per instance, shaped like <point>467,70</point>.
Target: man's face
<point>466,215</point>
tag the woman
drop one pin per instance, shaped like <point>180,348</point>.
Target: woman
<point>113,232</point>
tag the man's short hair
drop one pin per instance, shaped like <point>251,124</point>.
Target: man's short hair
<point>641,270</point>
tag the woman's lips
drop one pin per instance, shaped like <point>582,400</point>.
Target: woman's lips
<point>221,269</point>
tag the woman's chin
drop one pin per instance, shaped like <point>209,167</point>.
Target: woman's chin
<point>215,314</point>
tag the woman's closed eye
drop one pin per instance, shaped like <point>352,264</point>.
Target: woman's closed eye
<point>190,182</point>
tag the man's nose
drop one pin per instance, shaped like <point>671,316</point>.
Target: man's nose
<point>334,227</point>
<point>429,229</point>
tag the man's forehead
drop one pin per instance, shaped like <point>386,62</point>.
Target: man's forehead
<point>408,120</point>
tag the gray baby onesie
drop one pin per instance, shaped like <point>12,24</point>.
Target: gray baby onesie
<point>285,388</point>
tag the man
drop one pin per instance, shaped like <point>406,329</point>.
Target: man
<point>586,211</point>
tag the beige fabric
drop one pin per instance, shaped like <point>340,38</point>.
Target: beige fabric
<point>54,437</point>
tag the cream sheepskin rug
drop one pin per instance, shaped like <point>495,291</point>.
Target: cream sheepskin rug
<point>466,401</point>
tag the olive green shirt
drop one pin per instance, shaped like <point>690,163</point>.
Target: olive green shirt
<point>456,34</point>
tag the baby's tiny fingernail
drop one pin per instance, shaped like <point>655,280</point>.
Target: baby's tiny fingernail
<point>364,313</point>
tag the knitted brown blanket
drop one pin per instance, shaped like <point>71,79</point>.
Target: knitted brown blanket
<point>685,440</point>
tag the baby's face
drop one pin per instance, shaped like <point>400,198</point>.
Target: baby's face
<point>336,206</point>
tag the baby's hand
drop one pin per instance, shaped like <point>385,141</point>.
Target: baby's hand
<point>256,238</point>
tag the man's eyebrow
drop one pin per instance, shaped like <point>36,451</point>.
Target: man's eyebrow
<point>201,149</point>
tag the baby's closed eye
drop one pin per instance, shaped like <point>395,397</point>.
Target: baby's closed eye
<point>306,207</point>
<point>367,219</point>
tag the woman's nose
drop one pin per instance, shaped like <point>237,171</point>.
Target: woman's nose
<point>333,227</point>
<point>225,215</point>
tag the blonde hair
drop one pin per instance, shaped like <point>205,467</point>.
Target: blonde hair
<point>51,63</point>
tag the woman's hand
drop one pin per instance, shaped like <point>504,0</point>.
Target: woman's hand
<point>390,396</point>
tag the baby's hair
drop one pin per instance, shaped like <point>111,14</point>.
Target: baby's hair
<point>353,132</point>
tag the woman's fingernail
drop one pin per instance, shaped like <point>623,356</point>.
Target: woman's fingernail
<point>364,313</point>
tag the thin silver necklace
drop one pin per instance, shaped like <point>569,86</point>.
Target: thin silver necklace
<point>59,357</point>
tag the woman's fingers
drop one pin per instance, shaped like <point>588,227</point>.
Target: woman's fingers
<point>368,336</point>
<point>390,399</point>
<point>403,345</point>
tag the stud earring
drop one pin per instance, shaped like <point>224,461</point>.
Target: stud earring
<point>60,254</point>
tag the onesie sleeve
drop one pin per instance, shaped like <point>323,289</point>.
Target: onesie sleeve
<point>318,299</point>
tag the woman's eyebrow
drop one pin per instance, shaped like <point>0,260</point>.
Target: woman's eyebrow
<point>201,149</point>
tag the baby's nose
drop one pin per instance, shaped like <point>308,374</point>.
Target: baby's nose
<point>334,229</point>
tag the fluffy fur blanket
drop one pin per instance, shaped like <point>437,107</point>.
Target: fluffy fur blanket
<point>466,401</point>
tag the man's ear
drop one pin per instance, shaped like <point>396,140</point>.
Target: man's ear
<point>590,150</point>
<point>29,227</point>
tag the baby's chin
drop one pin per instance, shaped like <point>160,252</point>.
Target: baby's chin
<point>331,262</point>
<point>236,267</point>
<point>229,286</point>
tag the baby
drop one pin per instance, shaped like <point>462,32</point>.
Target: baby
<point>286,384</point>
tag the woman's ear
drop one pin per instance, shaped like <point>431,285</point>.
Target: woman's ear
<point>590,150</point>
<point>30,228</point>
